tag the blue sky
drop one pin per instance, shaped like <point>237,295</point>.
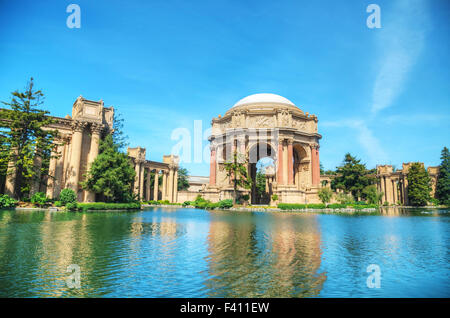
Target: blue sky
<point>381,94</point>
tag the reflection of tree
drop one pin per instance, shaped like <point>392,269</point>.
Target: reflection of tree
<point>259,255</point>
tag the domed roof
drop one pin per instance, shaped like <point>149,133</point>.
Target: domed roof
<point>263,98</point>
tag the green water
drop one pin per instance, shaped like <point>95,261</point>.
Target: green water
<point>176,252</point>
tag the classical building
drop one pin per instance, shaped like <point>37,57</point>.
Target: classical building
<point>267,126</point>
<point>168,169</point>
<point>394,184</point>
<point>77,145</point>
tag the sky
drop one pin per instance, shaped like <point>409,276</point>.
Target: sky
<point>381,94</point>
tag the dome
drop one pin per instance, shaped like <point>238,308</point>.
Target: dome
<point>263,98</point>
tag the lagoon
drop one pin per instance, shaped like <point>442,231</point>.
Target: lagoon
<point>178,252</point>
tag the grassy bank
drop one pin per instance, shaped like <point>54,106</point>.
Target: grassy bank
<point>102,206</point>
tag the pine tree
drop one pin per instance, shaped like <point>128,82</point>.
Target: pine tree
<point>418,185</point>
<point>24,140</point>
<point>352,176</point>
<point>182,181</point>
<point>443,181</point>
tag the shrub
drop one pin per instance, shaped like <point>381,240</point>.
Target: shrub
<point>102,206</point>
<point>163,202</point>
<point>226,204</point>
<point>58,204</point>
<point>291,206</point>
<point>316,206</point>
<point>6,201</point>
<point>337,206</point>
<point>344,198</point>
<point>386,203</point>
<point>245,197</point>
<point>325,194</point>
<point>39,199</point>
<point>67,196</point>
<point>274,197</point>
<point>186,203</point>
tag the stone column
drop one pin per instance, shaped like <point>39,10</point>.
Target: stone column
<point>52,174</point>
<point>164,186</point>
<point>141,183</point>
<point>59,170</point>
<point>10,184</point>
<point>67,154</point>
<point>148,185</point>
<point>156,186</point>
<point>315,165</point>
<point>37,168</point>
<point>290,163</point>
<point>137,170</point>
<point>170,185</point>
<point>212,167</point>
<point>75,159</point>
<point>175,186</point>
<point>280,162</point>
<point>96,131</point>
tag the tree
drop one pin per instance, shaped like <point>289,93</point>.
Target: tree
<point>443,181</point>
<point>352,176</point>
<point>372,195</point>
<point>183,182</point>
<point>260,183</point>
<point>325,194</point>
<point>236,170</point>
<point>24,141</point>
<point>418,185</point>
<point>111,173</point>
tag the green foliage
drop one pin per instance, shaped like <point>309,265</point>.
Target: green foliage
<point>260,183</point>
<point>23,141</point>
<point>344,198</point>
<point>372,195</point>
<point>102,206</point>
<point>163,202</point>
<point>325,194</point>
<point>386,203</point>
<point>183,183</point>
<point>58,204</point>
<point>236,169</point>
<point>226,204</point>
<point>337,206</point>
<point>291,206</point>
<point>111,173</point>
<point>274,197</point>
<point>39,199</point>
<point>316,206</point>
<point>443,181</point>
<point>434,201</point>
<point>153,202</point>
<point>352,176</point>
<point>186,203</point>
<point>67,196</point>
<point>419,185</point>
<point>6,201</point>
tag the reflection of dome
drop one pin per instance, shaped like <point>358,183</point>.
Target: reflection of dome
<point>263,98</point>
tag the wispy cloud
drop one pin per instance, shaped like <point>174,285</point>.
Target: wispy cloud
<point>365,138</point>
<point>400,42</point>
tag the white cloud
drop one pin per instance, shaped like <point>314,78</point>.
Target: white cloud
<point>365,137</point>
<point>400,42</point>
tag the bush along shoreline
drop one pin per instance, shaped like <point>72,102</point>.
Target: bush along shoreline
<point>96,206</point>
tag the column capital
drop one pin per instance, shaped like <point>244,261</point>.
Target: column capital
<point>97,128</point>
<point>78,126</point>
<point>290,141</point>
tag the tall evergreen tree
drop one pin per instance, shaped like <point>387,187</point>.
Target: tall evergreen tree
<point>443,181</point>
<point>24,141</point>
<point>352,177</point>
<point>418,185</point>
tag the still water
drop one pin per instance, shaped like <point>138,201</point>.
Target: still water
<point>175,252</point>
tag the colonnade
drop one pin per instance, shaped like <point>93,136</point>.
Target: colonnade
<point>143,189</point>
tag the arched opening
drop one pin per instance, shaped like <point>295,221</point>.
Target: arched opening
<point>262,172</point>
<point>301,166</point>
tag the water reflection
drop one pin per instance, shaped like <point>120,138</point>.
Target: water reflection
<point>263,255</point>
<point>195,253</point>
